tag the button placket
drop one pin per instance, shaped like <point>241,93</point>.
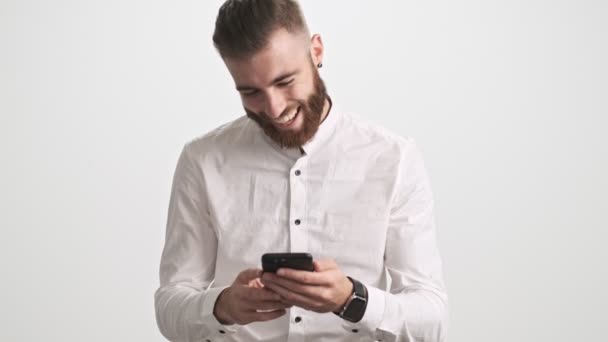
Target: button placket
<point>297,206</point>
<point>298,237</point>
<point>297,326</point>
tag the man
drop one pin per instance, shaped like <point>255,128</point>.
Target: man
<point>296,174</point>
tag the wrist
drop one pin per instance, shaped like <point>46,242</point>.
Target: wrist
<point>219,309</point>
<point>346,297</point>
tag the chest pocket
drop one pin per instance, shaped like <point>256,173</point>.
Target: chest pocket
<point>252,217</point>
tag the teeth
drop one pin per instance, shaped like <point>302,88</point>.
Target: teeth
<point>286,118</point>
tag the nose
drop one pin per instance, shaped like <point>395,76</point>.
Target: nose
<point>275,104</point>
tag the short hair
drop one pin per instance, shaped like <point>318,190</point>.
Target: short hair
<point>243,27</point>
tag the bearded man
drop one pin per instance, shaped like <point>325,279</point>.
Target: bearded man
<point>296,174</point>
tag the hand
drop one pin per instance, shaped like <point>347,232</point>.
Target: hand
<point>240,302</point>
<point>325,290</point>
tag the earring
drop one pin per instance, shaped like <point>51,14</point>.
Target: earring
<point>320,65</point>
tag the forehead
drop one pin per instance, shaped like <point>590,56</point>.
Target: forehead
<point>285,52</point>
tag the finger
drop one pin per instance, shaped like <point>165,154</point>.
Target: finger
<point>250,298</point>
<point>255,296</point>
<point>272,306</point>
<point>248,275</point>
<point>324,265</point>
<point>293,286</point>
<point>256,283</point>
<point>293,298</point>
<point>305,277</point>
<point>263,299</point>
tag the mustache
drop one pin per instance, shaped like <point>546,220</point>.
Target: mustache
<point>286,111</point>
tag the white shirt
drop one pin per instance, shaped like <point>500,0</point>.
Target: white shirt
<point>362,198</point>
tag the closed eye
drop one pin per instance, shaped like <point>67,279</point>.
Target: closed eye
<point>249,93</point>
<point>286,83</point>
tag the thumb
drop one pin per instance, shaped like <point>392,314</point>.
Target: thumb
<point>324,265</point>
<point>248,275</point>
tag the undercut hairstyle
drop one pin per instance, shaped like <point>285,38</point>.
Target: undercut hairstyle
<point>243,27</point>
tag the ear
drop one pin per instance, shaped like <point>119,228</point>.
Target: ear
<point>316,49</point>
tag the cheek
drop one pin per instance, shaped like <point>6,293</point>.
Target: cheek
<point>252,103</point>
<point>299,92</point>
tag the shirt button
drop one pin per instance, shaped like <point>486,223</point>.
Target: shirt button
<point>298,172</point>
<point>222,332</point>
<point>297,222</point>
<point>355,330</point>
<point>298,319</point>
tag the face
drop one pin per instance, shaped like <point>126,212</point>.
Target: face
<point>281,89</point>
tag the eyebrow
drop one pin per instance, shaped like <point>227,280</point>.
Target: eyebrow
<point>277,79</point>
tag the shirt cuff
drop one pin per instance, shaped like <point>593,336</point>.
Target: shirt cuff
<point>209,318</point>
<point>373,314</point>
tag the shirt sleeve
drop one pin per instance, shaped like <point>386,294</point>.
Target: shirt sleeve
<point>185,300</point>
<point>415,309</point>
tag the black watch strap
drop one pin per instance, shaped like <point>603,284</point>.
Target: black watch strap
<point>356,305</point>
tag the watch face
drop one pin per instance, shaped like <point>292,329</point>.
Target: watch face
<point>356,306</point>
<point>355,310</point>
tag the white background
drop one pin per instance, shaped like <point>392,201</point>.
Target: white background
<point>507,100</point>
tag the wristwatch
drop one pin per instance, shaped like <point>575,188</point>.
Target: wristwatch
<point>355,306</point>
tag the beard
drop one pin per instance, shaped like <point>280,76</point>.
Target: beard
<point>311,111</point>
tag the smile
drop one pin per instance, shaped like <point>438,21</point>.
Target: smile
<point>286,120</point>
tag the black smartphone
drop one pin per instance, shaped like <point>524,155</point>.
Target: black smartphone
<point>299,261</point>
